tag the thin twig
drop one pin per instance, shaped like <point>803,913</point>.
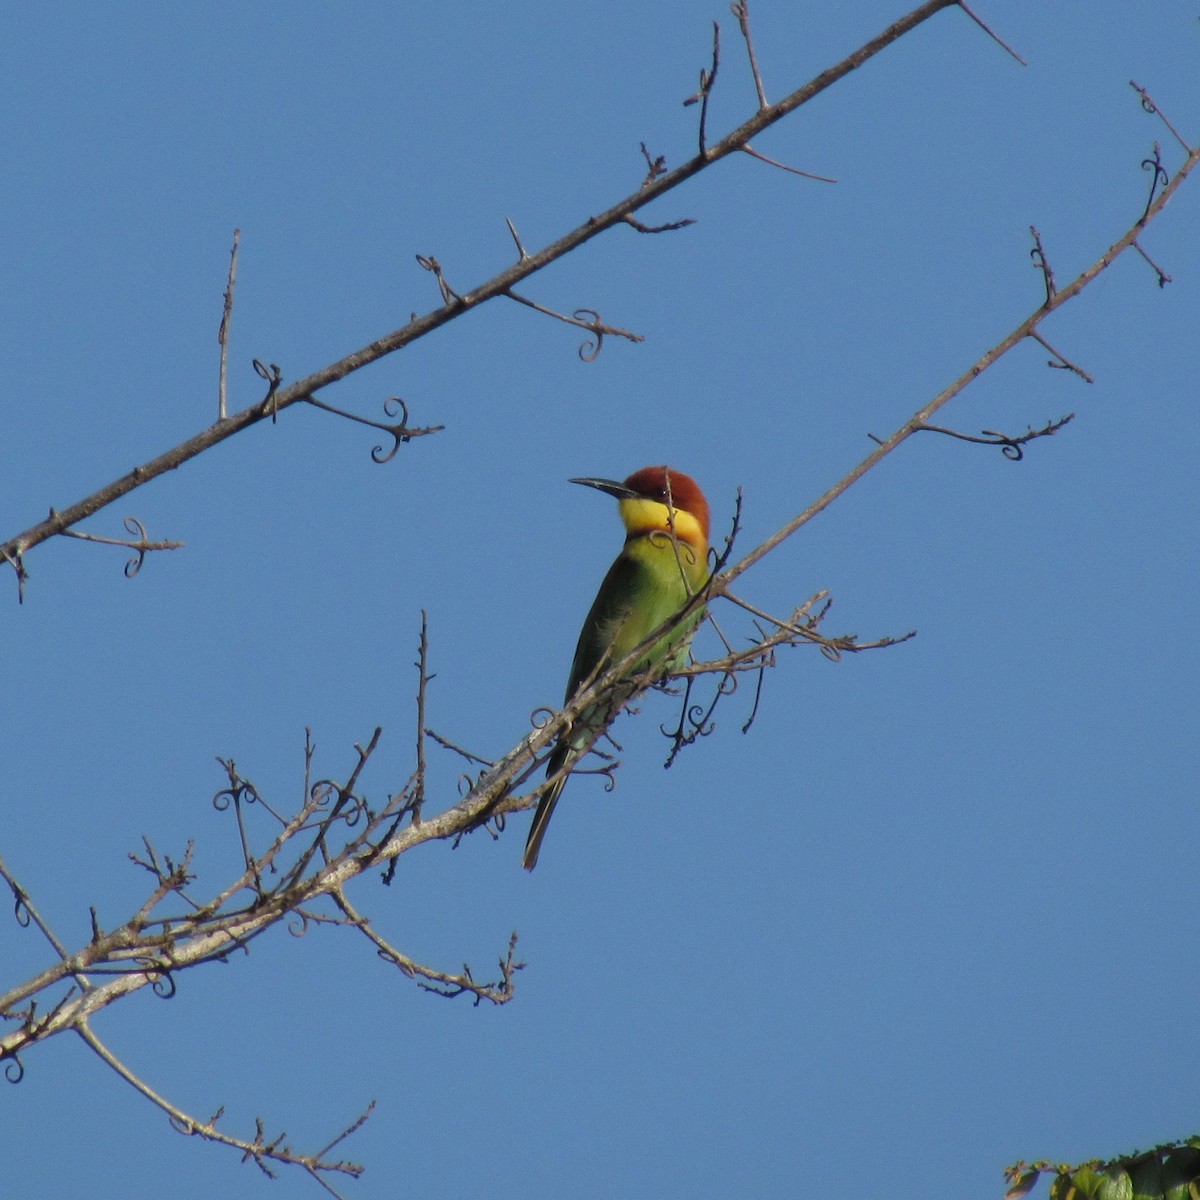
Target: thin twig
<point>423,680</point>
<point>784,167</point>
<point>992,33</point>
<point>1010,447</point>
<point>1163,277</point>
<point>589,351</point>
<point>447,744</point>
<point>1063,363</point>
<point>741,10</point>
<point>142,544</point>
<point>401,432</point>
<point>1151,107</point>
<point>707,80</point>
<point>223,332</point>
<point>444,983</point>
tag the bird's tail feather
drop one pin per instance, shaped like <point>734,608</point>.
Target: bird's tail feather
<point>541,818</point>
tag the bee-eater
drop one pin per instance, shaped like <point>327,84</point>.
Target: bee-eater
<point>663,563</point>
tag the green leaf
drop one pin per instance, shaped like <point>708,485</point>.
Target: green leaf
<point>1115,1184</point>
<point>1180,1168</point>
<point>1147,1177</point>
<point>1087,1181</point>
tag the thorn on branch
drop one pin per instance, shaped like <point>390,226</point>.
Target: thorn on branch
<point>707,79</point>
<point>1060,362</point>
<point>401,432</point>
<point>431,264</point>
<point>141,542</point>
<point>1038,254</point>
<point>516,237</point>
<point>1010,447</point>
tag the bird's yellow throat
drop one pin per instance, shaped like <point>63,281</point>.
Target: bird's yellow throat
<point>643,516</point>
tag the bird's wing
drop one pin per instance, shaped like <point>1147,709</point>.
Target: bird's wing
<point>608,617</point>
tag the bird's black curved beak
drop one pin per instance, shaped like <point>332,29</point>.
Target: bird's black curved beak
<point>611,486</point>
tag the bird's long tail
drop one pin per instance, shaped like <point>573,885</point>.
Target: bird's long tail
<point>545,809</point>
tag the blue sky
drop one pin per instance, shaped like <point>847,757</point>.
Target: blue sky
<point>934,913</point>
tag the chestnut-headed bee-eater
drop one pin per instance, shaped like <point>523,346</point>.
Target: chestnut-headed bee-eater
<point>663,563</point>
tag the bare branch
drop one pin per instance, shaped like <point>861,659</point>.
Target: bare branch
<point>921,418</point>
<point>259,1150</point>
<point>279,398</point>
<point>153,951</point>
